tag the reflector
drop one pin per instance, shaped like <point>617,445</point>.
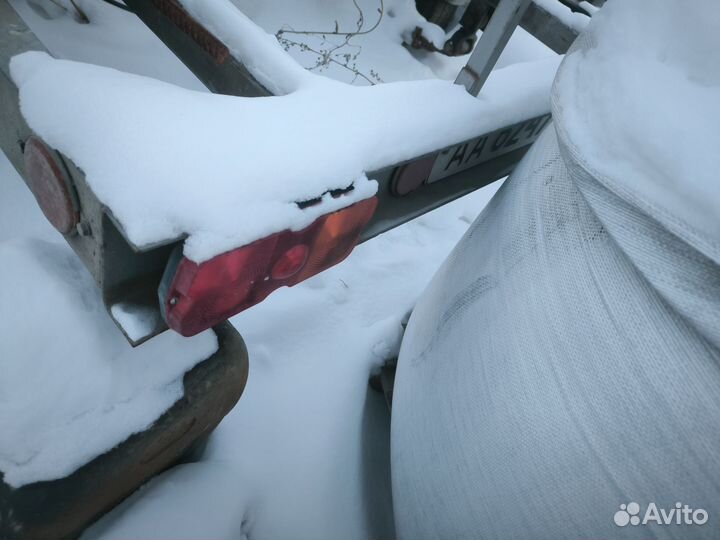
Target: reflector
<point>195,297</point>
<point>409,177</point>
<point>48,181</point>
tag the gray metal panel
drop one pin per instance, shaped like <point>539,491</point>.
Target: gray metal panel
<point>545,26</point>
<point>119,270</point>
<point>197,48</point>
<point>125,273</point>
<point>393,211</point>
<point>492,42</point>
<point>15,38</point>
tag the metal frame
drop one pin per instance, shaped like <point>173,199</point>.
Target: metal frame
<point>120,270</point>
<point>492,42</point>
<point>224,74</point>
<point>126,273</point>
<point>545,26</point>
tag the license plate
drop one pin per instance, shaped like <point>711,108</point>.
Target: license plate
<point>486,147</point>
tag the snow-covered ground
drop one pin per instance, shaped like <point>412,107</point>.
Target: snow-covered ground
<point>305,453</point>
<point>71,387</point>
<point>360,42</point>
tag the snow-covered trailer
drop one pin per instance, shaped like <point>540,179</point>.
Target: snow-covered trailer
<point>452,144</point>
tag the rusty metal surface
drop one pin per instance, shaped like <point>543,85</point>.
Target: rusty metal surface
<point>49,183</point>
<point>200,35</point>
<point>196,47</point>
<point>61,509</point>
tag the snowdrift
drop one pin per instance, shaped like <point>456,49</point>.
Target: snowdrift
<point>71,387</point>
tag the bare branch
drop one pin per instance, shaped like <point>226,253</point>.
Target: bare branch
<point>327,56</point>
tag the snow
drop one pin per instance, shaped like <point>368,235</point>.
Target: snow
<point>577,21</point>
<point>170,161</point>
<point>198,500</point>
<point>115,38</point>
<point>257,50</point>
<point>19,213</point>
<point>375,54</point>
<point>650,130</point>
<point>136,320</point>
<point>57,342</point>
<point>305,452</point>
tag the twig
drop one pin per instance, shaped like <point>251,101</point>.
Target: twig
<point>336,32</point>
<point>326,56</point>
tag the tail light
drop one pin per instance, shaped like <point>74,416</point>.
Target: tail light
<point>49,182</point>
<point>412,175</point>
<point>194,297</point>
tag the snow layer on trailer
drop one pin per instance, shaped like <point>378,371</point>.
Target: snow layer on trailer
<point>227,170</point>
<point>136,321</point>
<point>71,388</point>
<point>265,474</point>
<point>304,455</point>
<point>374,54</point>
<point>643,104</point>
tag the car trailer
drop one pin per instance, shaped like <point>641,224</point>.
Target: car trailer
<point>141,279</point>
<point>130,276</point>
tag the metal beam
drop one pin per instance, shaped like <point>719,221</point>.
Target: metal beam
<point>545,26</point>
<point>492,42</point>
<point>15,38</point>
<point>196,47</point>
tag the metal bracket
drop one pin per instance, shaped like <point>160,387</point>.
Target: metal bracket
<point>492,42</point>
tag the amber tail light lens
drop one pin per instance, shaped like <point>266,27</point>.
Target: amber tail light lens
<point>194,297</point>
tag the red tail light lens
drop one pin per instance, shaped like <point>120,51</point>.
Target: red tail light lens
<point>290,262</point>
<point>195,297</point>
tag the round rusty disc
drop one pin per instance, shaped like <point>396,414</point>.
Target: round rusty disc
<point>46,177</point>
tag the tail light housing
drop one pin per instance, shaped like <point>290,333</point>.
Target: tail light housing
<point>194,297</point>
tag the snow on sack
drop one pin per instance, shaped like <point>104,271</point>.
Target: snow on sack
<point>640,105</point>
<point>575,329</point>
<point>71,388</point>
<point>227,170</point>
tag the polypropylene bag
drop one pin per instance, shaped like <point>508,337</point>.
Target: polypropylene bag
<point>560,377</point>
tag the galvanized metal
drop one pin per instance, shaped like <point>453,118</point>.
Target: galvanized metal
<point>232,77</point>
<point>197,48</point>
<point>545,26</point>
<point>130,274</point>
<point>492,42</point>
<point>15,38</point>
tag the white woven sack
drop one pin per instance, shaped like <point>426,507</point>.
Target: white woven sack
<point>564,361</point>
